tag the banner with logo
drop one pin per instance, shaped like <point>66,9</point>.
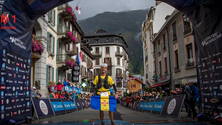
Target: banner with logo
<point>146,104</point>
<point>83,103</point>
<point>42,107</point>
<point>73,105</point>
<point>137,105</point>
<point>78,104</point>
<point>150,105</point>
<point>17,22</point>
<point>158,106</point>
<point>173,105</point>
<point>57,106</point>
<point>67,105</point>
<point>141,107</point>
<point>205,16</point>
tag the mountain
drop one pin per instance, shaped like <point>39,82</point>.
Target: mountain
<point>129,25</point>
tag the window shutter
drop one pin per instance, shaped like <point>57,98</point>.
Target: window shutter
<point>57,76</point>
<point>58,23</point>
<point>48,38</point>
<point>53,45</point>
<point>54,17</point>
<point>49,15</point>
<point>53,74</point>
<point>47,75</point>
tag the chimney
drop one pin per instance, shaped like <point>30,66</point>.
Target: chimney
<point>158,2</point>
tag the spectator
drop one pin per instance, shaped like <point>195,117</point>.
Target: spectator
<point>34,94</point>
<point>65,82</point>
<point>39,93</point>
<point>67,95</point>
<point>52,95</point>
<point>74,94</point>
<point>56,95</point>
<point>59,86</point>
<point>192,100</point>
<point>127,100</point>
<point>62,96</point>
<point>158,95</point>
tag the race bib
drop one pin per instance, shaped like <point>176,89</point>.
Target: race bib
<point>104,94</point>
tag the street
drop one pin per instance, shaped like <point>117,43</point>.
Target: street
<point>123,116</point>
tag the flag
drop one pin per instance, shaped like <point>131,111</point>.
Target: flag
<point>79,58</point>
<point>78,9</point>
<point>104,103</point>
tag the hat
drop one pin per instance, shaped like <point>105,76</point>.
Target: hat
<point>34,87</point>
<point>104,64</point>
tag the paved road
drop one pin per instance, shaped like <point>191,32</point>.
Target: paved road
<point>122,116</point>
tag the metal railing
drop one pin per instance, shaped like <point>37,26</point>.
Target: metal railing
<point>62,57</point>
<point>62,29</point>
<point>187,31</point>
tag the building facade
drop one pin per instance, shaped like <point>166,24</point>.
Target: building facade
<point>62,38</point>
<point>110,49</point>
<point>150,27</point>
<point>175,52</point>
<point>135,84</point>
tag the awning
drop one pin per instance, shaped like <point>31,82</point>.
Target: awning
<point>159,84</point>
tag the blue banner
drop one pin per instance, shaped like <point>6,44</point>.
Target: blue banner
<point>158,106</point>
<point>150,106</point>
<point>141,105</point>
<point>57,106</point>
<point>67,105</point>
<point>146,104</point>
<point>73,105</point>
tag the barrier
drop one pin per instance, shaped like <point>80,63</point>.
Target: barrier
<point>78,104</point>
<point>83,104</point>
<point>158,106</point>
<point>173,106</point>
<point>58,106</point>
<point>67,105</point>
<point>150,105</point>
<point>42,108</point>
<point>146,103</point>
<point>141,106</point>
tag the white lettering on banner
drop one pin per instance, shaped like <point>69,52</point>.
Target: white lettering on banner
<point>67,105</point>
<point>8,108</point>
<point>22,71</point>
<point>150,106</point>
<point>57,106</point>
<point>9,68</point>
<point>158,106</point>
<point>8,94</point>
<point>3,59</point>
<point>17,42</point>
<point>211,39</point>
<point>8,54</point>
<point>27,110</point>
<point>43,107</point>
<point>171,106</point>
<point>73,105</point>
<point>20,59</point>
<point>19,106</point>
<point>218,80</point>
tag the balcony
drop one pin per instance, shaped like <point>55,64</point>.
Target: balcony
<point>119,54</point>
<point>89,65</point>
<point>62,11</point>
<point>187,32</point>
<point>190,63</point>
<point>73,51</point>
<point>62,30</point>
<point>125,57</point>
<point>119,75</point>
<point>61,58</point>
<point>36,55</point>
<point>97,54</point>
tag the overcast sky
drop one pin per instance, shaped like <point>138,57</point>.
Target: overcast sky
<point>92,7</point>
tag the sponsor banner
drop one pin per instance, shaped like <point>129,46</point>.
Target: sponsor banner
<point>73,105</point>
<point>57,106</point>
<point>67,105</point>
<point>141,107</point>
<point>150,105</point>
<point>158,106</point>
<point>78,104</point>
<point>146,104</point>
<point>43,107</point>
<point>83,103</point>
<point>172,106</point>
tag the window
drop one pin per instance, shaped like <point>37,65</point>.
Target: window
<point>97,50</point>
<point>118,61</point>
<point>123,62</point>
<point>160,68</point>
<point>109,71</point>
<point>176,60</point>
<point>96,72</point>
<point>108,61</point>
<point>190,60</point>
<point>117,40</point>
<point>164,42</point>
<point>107,50</point>
<point>187,28</point>
<point>83,58</point>
<point>133,85</point>
<point>50,74</point>
<point>107,39</point>
<point>118,49</point>
<point>97,61</point>
<point>119,84</point>
<point>159,47</point>
<point>165,62</point>
<point>174,31</point>
<point>50,43</point>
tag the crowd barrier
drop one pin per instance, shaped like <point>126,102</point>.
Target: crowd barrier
<point>168,106</point>
<point>46,107</point>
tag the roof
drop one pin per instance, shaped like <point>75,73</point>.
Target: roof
<point>136,79</point>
